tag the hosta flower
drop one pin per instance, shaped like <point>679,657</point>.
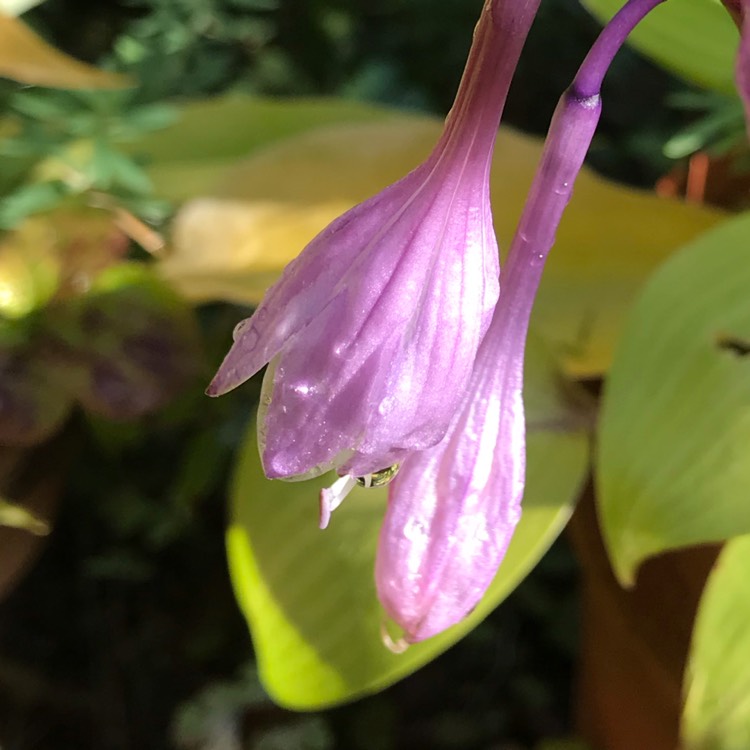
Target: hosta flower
<point>453,508</point>
<point>371,333</point>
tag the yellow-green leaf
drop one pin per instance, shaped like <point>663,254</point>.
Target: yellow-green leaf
<point>185,164</point>
<point>233,250</point>
<point>29,268</point>
<point>27,58</point>
<point>673,464</point>
<point>717,682</point>
<point>309,595</point>
<point>265,209</point>
<point>18,517</point>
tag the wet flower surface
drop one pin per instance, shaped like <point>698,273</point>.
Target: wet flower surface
<point>453,509</point>
<point>373,330</point>
<point>389,359</point>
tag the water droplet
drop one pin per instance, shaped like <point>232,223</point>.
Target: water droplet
<point>415,530</point>
<point>386,405</point>
<point>379,478</point>
<point>239,328</point>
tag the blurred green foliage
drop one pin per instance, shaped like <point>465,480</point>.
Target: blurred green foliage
<point>65,144</point>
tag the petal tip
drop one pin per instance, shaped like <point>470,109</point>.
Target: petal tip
<point>214,389</point>
<point>225,380</point>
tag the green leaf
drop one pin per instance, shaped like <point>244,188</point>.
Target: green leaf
<point>723,123</point>
<point>673,468</point>
<point>25,57</point>
<point>148,117</point>
<point>184,163</point>
<point>128,175</point>
<point>696,39</point>
<point>309,595</point>
<point>717,682</point>
<point>31,199</point>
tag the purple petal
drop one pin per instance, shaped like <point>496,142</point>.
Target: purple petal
<point>452,509</point>
<point>382,368</point>
<point>304,289</point>
<point>374,329</point>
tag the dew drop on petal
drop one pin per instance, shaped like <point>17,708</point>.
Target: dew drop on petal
<point>415,530</point>
<point>379,478</point>
<point>239,328</point>
<point>303,389</point>
<point>386,405</point>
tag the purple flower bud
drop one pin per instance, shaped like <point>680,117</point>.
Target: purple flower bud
<point>373,330</point>
<point>453,508</point>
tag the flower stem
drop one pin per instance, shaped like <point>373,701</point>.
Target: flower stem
<point>496,46</point>
<point>588,80</point>
<point>568,140</point>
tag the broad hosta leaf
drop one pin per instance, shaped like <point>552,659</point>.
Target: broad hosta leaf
<point>610,239</point>
<point>717,689</point>
<point>184,163</point>
<point>27,58</point>
<point>309,595</point>
<point>263,211</point>
<point>675,427</point>
<point>694,38</point>
<point>233,250</point>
